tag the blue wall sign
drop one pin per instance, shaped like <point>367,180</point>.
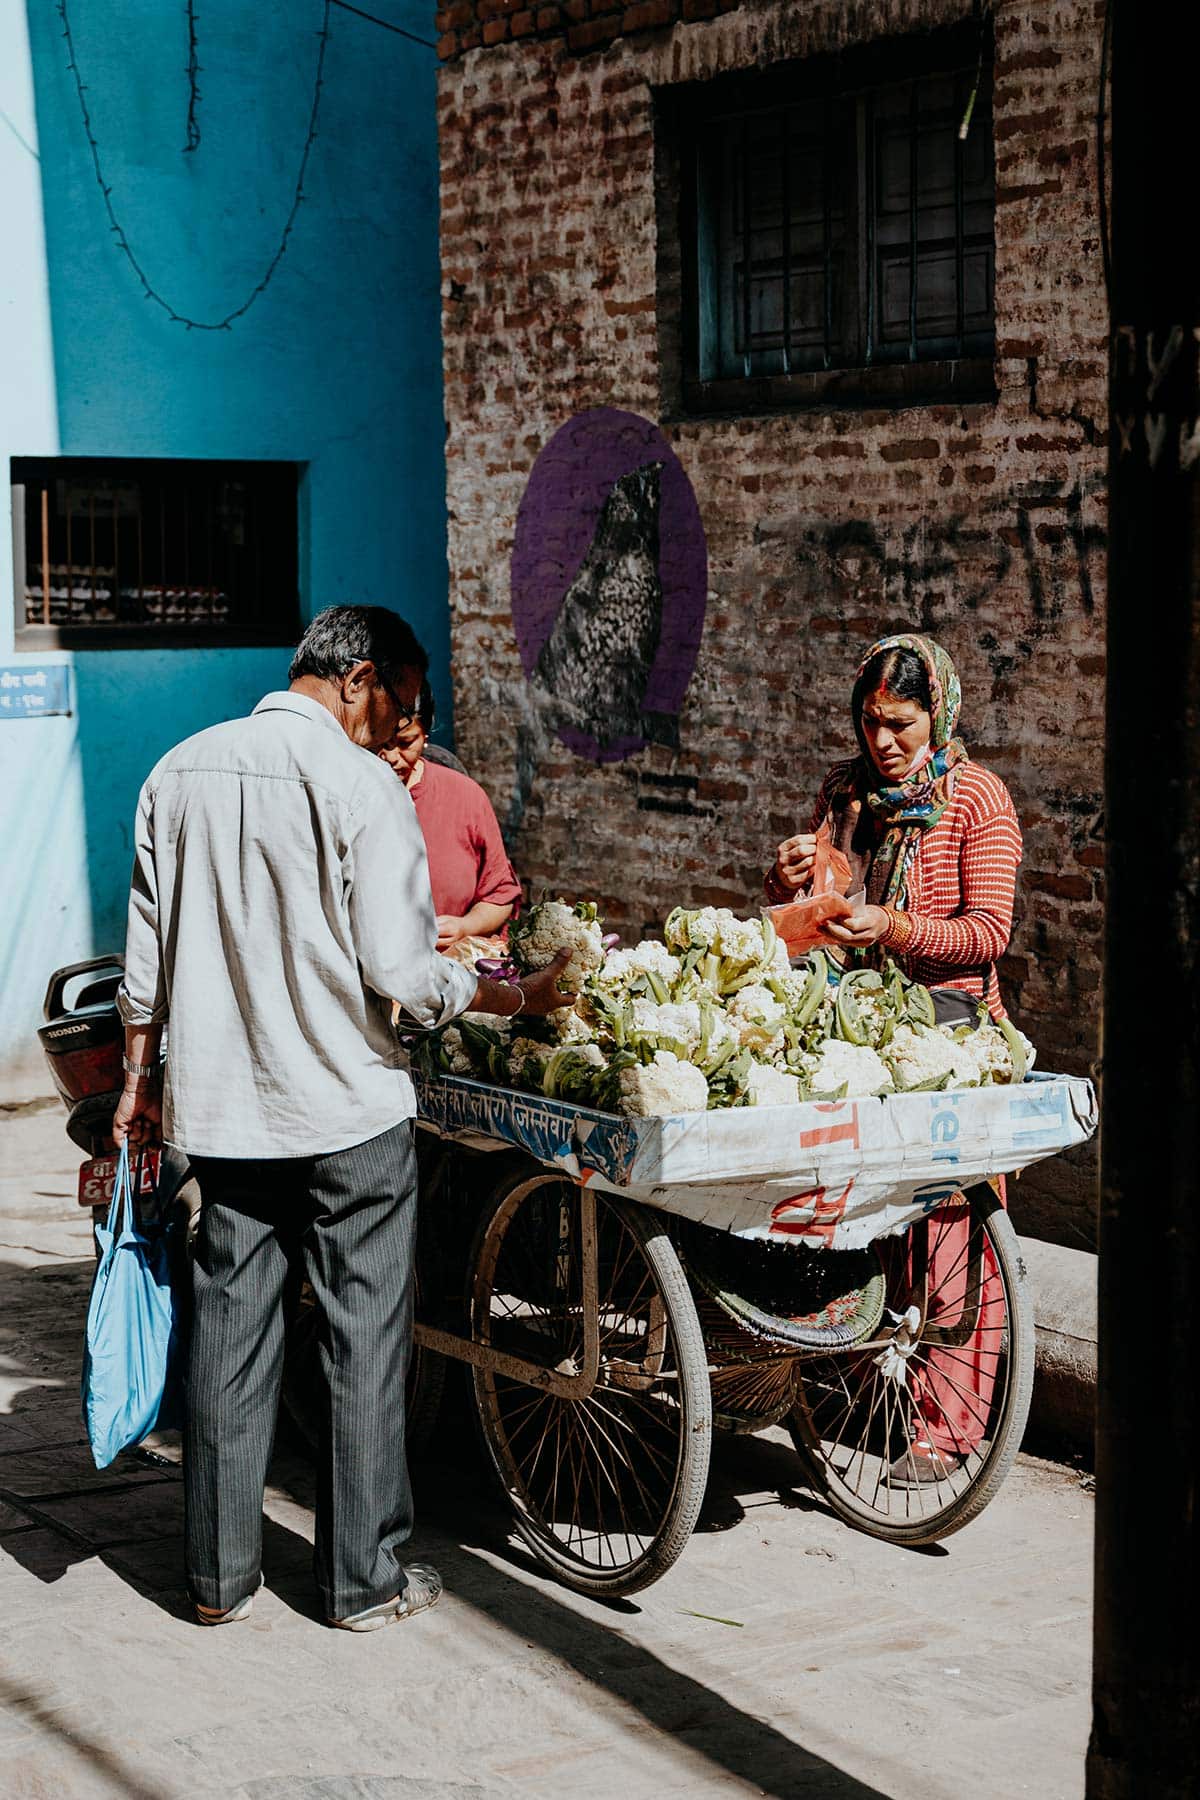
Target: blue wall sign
<point>34,690</point>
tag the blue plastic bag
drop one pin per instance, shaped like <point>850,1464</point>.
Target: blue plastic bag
<point>130,1356</point>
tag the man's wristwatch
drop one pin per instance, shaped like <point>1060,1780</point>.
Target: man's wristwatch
<point>143,1071</point>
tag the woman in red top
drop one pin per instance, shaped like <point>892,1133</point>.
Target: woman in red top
<point>475,891</point>
<point>933,841</point>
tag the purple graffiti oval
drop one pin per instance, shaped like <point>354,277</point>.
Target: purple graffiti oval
<point>556,521</point>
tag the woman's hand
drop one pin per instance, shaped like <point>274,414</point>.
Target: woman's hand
<point>450,930</point>
<point>860,928</point>
<point>794,861</point>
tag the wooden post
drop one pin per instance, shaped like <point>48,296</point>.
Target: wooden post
<point>1146,1715</point>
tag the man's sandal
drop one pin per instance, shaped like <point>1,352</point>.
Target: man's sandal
<point>226,1615</point>
<point>423,1589</point>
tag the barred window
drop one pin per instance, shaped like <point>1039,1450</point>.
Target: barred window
<point>837,227</point>
<point>133,552</point>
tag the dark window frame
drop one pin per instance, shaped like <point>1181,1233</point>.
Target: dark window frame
<point>695,122</point>
<point>190,565</point>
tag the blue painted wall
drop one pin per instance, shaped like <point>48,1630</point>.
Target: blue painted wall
<point>336,367</point>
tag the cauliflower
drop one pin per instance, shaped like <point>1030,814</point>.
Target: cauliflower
<point>568,1028</point>
<point>693,983</point>
<point>720,950</point>
<point>677,1020</point>
<point>919,1055</point>
<point>539,935</point>
<point>790,989</point>
<point>527,1061</point>
<point>499,1023</point>
<point>740,942</point>
<point>852,1066</point>
<point>988,1051</point>
<point>652,958</point>
<point>649,968</point>
<point>722,1038</point>
<point>455,1051</point>
<point>619,971</point>
<point>693,930</point>
<point>680,1027</point>
<point>874,1016</point>
<point>570,1072</point>
<point>473,1045</point>
<point>758,1018</point>
<point>662,1088</point>
<point>772,1087</point>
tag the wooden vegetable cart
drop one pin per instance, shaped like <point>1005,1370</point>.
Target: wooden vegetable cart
<point>618,1287</point>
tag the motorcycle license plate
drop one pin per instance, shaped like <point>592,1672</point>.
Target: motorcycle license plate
<point>98,1178</point>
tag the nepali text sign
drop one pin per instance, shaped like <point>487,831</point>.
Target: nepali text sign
<point>34,690</point>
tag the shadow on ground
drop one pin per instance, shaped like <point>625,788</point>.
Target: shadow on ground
<point>57,1510</point>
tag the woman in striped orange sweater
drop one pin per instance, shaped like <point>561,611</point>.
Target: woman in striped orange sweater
<point>932,837</point>
<point>933,842</point>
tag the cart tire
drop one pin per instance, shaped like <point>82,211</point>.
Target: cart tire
<point>852,1425</point>
<point>605,1491</point>
<point>423,1388</point>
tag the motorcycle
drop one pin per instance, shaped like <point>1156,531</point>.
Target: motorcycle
<point>82,1040</point>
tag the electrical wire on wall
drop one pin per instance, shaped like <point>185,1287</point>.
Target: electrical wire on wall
<point>373,19</point>
<point>149,290</point>
<point>193,72</point>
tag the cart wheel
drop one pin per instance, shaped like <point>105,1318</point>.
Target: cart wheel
<point>952,1370</point>
<point>423,1388</point>
<point>605,1490</point>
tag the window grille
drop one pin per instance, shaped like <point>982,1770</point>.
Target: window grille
<point>132,552</point>
<point>837,229</point>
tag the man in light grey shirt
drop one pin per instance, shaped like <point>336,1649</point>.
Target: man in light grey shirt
<point>280,903</point>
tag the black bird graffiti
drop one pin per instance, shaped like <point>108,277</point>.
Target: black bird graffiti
<point>597,660</point>
<point>594,668</point>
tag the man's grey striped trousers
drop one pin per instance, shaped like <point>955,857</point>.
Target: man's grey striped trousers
<point>348,1220</point>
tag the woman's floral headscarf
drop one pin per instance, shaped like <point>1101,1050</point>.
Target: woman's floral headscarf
<point>904,809</point>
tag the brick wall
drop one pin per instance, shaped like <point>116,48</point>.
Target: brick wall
<point>584,24</point>
<point>983,524</point>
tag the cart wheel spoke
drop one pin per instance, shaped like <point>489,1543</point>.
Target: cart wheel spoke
<point>605,1488</point>
<point>909,1440</point>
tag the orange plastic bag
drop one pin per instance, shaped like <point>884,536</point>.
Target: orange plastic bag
<point>800,923</point>
<point>831,870</point>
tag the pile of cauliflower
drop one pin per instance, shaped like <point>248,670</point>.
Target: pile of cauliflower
<point>715,1015</point>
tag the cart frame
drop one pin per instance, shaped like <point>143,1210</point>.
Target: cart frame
<point>581,1381</point>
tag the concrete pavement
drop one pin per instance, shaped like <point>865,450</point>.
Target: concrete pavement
<point>850,1668</point>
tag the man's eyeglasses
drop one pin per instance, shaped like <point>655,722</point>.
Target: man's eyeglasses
<point>405,718</point>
